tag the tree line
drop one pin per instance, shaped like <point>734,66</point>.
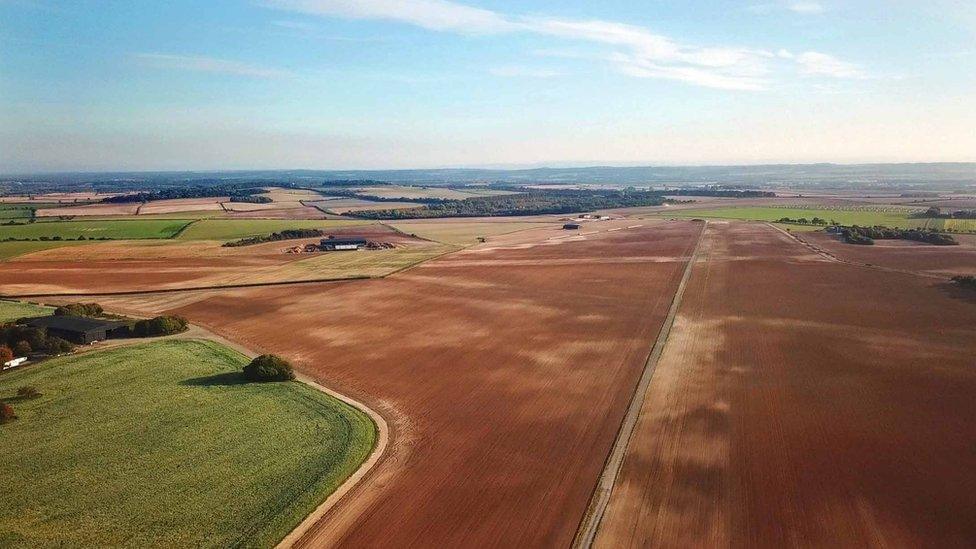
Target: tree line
<point>287,234</point>
<point>937,213</point>
<point>867,235</point>
<point>531,202</point>
<point>238,191</point>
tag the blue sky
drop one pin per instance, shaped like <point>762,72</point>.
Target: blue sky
<point>97,85</point>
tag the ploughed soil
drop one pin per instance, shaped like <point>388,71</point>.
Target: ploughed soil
<point>120,266</point>
<point>504,385</point>
<point>906,255</point>
<point>804,402</point>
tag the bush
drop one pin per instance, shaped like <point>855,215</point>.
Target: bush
<point>160,326</point>
<point>269,368</point>
<point>968,282</point>
<point>28,391</point>
<point>6,413</point>
<point>79,309</point>
<point>5,354</point>
<point>57,346</point>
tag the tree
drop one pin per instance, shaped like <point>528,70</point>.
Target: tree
<point>56,345</point>
<point>160,326</point>
<point>269,368</point>
<point>6,354</point>
<point>6,413</point>
<point>22,348</point>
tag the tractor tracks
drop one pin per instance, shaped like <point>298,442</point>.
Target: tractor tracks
<point>590,524</point>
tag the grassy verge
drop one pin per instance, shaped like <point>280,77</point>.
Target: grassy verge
<point>160,445</point>
<point>12,310</point>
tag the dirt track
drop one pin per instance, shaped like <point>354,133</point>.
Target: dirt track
<point>504,386</point>
<point>804,402</point>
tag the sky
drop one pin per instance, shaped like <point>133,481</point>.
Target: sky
<point>91,85</point>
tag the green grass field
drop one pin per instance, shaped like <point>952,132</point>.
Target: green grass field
<point>108,228</point>
<point>231,229</point>
<point>159,445</point>
<point>12,310</point>
<point>865,217</point>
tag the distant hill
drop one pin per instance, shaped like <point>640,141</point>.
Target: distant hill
<point>935,176</point>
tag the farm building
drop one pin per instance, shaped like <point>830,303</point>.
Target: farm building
<point>342,243</point>
<point>79,329</point>
<point>571,226</point>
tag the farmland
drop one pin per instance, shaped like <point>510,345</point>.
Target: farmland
<point>461,233</point>
<point>160,445</point>
<point>398,191</point>
<point>232,229</point>
<point>122,266</point>
<point>803,399</point>
<point>895,217</point>
<point>577,316</point>
<point>12,310</point>
<point>89,229</point>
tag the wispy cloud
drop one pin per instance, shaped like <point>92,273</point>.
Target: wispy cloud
<point>629,49</point>
<point>429,14</point>
<point>208,64</point>
<point>814,63</point>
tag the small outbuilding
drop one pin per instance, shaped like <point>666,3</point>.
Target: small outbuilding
<point>335,244</point>
<point>79,329</point>
<point>572,226</point>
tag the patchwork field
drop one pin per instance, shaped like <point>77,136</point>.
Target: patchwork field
<point>504,371</point>
<point>233,229</point>
<point>800,401</point>
<point>161,445</point>
<point>126,266</point>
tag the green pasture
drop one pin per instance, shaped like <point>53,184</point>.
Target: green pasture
<point>12,310</point>
<point>89,228</point>
<point>866,217</point>
<point>161,445</point>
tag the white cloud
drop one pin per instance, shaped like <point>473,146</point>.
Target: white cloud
<point>208,64</point>
<point>629,49</point>
<point>813,63</point>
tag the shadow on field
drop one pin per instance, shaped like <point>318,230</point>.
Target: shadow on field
<point>226,378</point>
<point>956,292</point>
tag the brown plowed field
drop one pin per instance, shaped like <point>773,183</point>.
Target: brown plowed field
<point>504,385</point>
<point>804,402</point>
<point>904,254</point>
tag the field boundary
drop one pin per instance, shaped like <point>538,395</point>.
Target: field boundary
<point>201,333</point>
<point>590,524</point>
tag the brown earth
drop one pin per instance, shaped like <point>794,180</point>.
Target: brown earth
<point>504,385</point>
<point>804,402</point>
<point>906,255</point>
